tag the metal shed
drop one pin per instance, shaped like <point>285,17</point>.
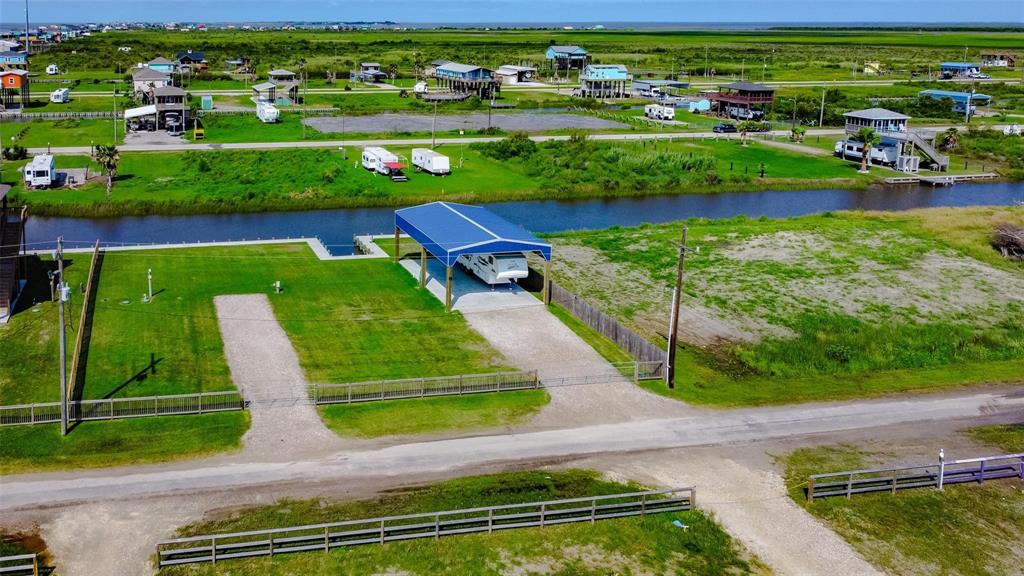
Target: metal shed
<point>447,230</point>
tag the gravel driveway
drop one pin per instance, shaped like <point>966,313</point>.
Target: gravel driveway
<point>531,338</point>
<point>266,370</point>
<point>529,121</point>
<point>752,505</point>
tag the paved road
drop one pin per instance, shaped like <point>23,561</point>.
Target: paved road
<point>712,427</point>
<point>427,141</point>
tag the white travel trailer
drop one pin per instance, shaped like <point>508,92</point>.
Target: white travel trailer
<point>60,96</point>
<point>381,161</point>
<point>420,88</point>
<point>429,161</point>
<point>52,69</point>
<point>267,112</point>
<point>882,153</point>
<point>40,172</point>
<point>496,268</point>
<point>659,112</point>
<point>376,159</point>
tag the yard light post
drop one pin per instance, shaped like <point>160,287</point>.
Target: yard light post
<point>149,279</point>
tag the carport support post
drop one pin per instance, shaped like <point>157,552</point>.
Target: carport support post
<point>396,243</point>
<point>547,282</point>
<point>448,289</point>
<point>423,267</point>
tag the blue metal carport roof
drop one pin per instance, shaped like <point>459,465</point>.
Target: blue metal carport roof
<point>448,230</point>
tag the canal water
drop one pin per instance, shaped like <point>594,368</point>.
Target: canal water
<point>337,227</point>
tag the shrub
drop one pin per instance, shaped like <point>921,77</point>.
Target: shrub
<point>15,152</point>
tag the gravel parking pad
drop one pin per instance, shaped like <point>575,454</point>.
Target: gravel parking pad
<point>528,121</point>
<point>266,370</point>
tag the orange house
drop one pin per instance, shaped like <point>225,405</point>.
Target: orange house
<point>14,87</point>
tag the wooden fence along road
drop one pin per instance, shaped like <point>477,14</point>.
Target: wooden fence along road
<point>323,537</point>
<point>927,476</point>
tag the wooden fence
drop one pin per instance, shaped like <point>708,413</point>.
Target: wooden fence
<point>324,537</point>
<point>114,408</point>
<point>20,565</point>
<point>636,345</point>
<point>84,324</point>
<point>935,475</point>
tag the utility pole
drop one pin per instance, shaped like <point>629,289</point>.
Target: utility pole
<point>62,294</point>
<point>821,114</point>
<point>433,128</point>
<point>673,325</point>
<point>28,48</point>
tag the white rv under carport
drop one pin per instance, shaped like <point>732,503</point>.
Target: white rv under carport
<point>447,233</point>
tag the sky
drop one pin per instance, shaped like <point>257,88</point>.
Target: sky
<point>519,11</point>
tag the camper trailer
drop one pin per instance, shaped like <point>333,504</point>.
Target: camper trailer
<point>429,161</point>
<point>52,69</point>
<point>496,268</point>
<point>659,112</point>
<point>40,172</point>
<point>60,96</point>
<point>740,113</point>
<point>267,112</point>
<point>381,161</point>
<point>883,153</point>
<point>420,88</point>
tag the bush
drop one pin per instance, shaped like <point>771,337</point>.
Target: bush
<point>15,152</point>
<point>515,145</point>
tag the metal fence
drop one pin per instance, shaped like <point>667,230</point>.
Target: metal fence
<point>113,408</point>
<point>423,387</point>
<point>927,476</point>
<point>323,537</point>
<point>20,565</point>
<point>30,116</point>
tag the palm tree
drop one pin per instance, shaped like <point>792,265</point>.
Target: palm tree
<point>745,127</point>
<point>107,157</point>
<point>950,139</point>
<point>868,138</point>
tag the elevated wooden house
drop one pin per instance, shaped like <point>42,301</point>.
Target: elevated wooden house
<point>13,273</point>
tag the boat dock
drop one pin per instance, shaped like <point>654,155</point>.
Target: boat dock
<point>943,180</point>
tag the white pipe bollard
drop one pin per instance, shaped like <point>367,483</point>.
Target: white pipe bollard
<point>942,467</point>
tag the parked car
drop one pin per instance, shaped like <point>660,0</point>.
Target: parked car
<point>724,128</point>
<point>980,76</point>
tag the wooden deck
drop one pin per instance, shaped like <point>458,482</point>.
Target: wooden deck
<point>943,180</point>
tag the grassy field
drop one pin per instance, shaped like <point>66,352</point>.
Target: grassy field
<point>965,529</point>
<point>430,415</point>
<point>774,54</point>
<point>297,179</point>
<point>820,307</point>
<point>67,132</point>
<point>1007,437</point>
<point>102,444</point>
<point>349,321</point>
<point>642,545</point>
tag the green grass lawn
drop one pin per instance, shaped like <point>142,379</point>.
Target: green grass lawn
<point>1008,437</point>
<point>430,415</point>
<point>67,132</point>
<point>41,448</point>
<point>77,104</point>
<point>806,318</point>
<point>964,529</point>
<point>349,321</point>
<point>640,545</point>
<point>296,179</point>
